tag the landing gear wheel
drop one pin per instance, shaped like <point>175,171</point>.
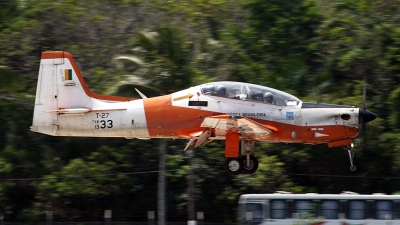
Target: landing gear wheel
<point>234,166</point>
<point>252,167</point>
<point>353,168</point>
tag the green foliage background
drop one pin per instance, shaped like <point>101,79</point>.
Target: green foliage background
<point>318,50</point>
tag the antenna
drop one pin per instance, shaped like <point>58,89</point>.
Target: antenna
<point>141,94</point>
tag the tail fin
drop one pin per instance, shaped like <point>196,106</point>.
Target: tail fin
<point>61,86</point>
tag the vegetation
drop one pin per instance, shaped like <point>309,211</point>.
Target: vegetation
<point>318,50</point>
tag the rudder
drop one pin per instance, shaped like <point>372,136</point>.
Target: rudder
<point>47,94</point>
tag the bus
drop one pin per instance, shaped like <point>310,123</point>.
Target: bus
<point>347,208</point>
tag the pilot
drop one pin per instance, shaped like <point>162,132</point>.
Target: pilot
<point>269,98</point>
<point>209,89</point>
<point>220,90</point>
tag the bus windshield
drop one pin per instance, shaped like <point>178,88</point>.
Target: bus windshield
<point>252,213</point>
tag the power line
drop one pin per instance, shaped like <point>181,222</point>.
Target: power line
<point>157,171</point>
<point>83,176</point>
<point>342,176</point>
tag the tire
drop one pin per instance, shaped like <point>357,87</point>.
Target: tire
<point>252,167</point>
<point>234,166</point>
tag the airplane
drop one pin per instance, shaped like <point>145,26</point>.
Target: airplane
<point>240,114</point>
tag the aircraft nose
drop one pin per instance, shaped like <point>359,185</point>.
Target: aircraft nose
<point>366,116</point>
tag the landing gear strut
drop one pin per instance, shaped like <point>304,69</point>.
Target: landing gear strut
<point>250,164</point>
<point>351,157</point>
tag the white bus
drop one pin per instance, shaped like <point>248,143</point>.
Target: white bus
<point>348,208</point>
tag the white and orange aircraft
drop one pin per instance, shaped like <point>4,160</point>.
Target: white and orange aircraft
<point>239,113</point>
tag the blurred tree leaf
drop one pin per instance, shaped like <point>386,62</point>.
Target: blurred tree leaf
<point>163,59</point>
<point>10,82</point>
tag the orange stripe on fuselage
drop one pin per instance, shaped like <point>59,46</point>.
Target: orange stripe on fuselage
<point>306,134</point>
<point>165,120</point>
<point>62,54</point>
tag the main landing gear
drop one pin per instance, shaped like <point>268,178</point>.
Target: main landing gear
<point>349,149</point>
<point>236,166</point>
<point>246,163</point>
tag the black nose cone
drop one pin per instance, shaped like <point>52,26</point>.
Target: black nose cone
<point>366,116</point>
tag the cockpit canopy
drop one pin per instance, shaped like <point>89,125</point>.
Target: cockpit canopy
<point>250,92</point>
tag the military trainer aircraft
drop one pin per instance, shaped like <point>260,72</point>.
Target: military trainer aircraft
<point>238,113</point>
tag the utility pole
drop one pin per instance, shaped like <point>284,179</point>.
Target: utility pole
<point>161,182</point>
<point>49,217</point>
<point>191,194</point>
<point>107,217</point>
<point>1,218</point>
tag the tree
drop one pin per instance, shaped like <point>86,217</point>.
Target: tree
<point>281,37</point>
<point>165,64</point>
<point>163,59</point>
<point>102,179</point>
<point>8,11</point>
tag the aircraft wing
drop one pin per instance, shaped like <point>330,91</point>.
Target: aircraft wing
<point>246,127</point>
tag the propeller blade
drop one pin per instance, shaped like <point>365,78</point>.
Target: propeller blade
<point>364,108</point>
<point>362,124</point>
<point>364,94</point>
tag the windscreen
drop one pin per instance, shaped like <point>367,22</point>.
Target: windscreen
<point>249,92</point>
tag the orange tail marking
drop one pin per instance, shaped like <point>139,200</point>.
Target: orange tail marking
<point>62,54</point>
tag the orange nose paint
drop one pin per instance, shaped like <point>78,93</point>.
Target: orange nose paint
<point>339,143</point>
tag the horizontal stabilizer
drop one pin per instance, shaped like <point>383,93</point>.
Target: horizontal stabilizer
<point>82,110</point>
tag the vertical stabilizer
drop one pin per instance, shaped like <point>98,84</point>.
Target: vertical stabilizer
<point>61,86</point>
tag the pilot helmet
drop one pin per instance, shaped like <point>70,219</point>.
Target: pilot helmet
<point>208,89</point>
<point>220,90</point>
<point>268,97</point>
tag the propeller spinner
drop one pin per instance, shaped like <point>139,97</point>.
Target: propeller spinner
<point>366,116</point>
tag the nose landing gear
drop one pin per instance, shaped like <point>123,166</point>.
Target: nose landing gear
<point>349,149</point>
